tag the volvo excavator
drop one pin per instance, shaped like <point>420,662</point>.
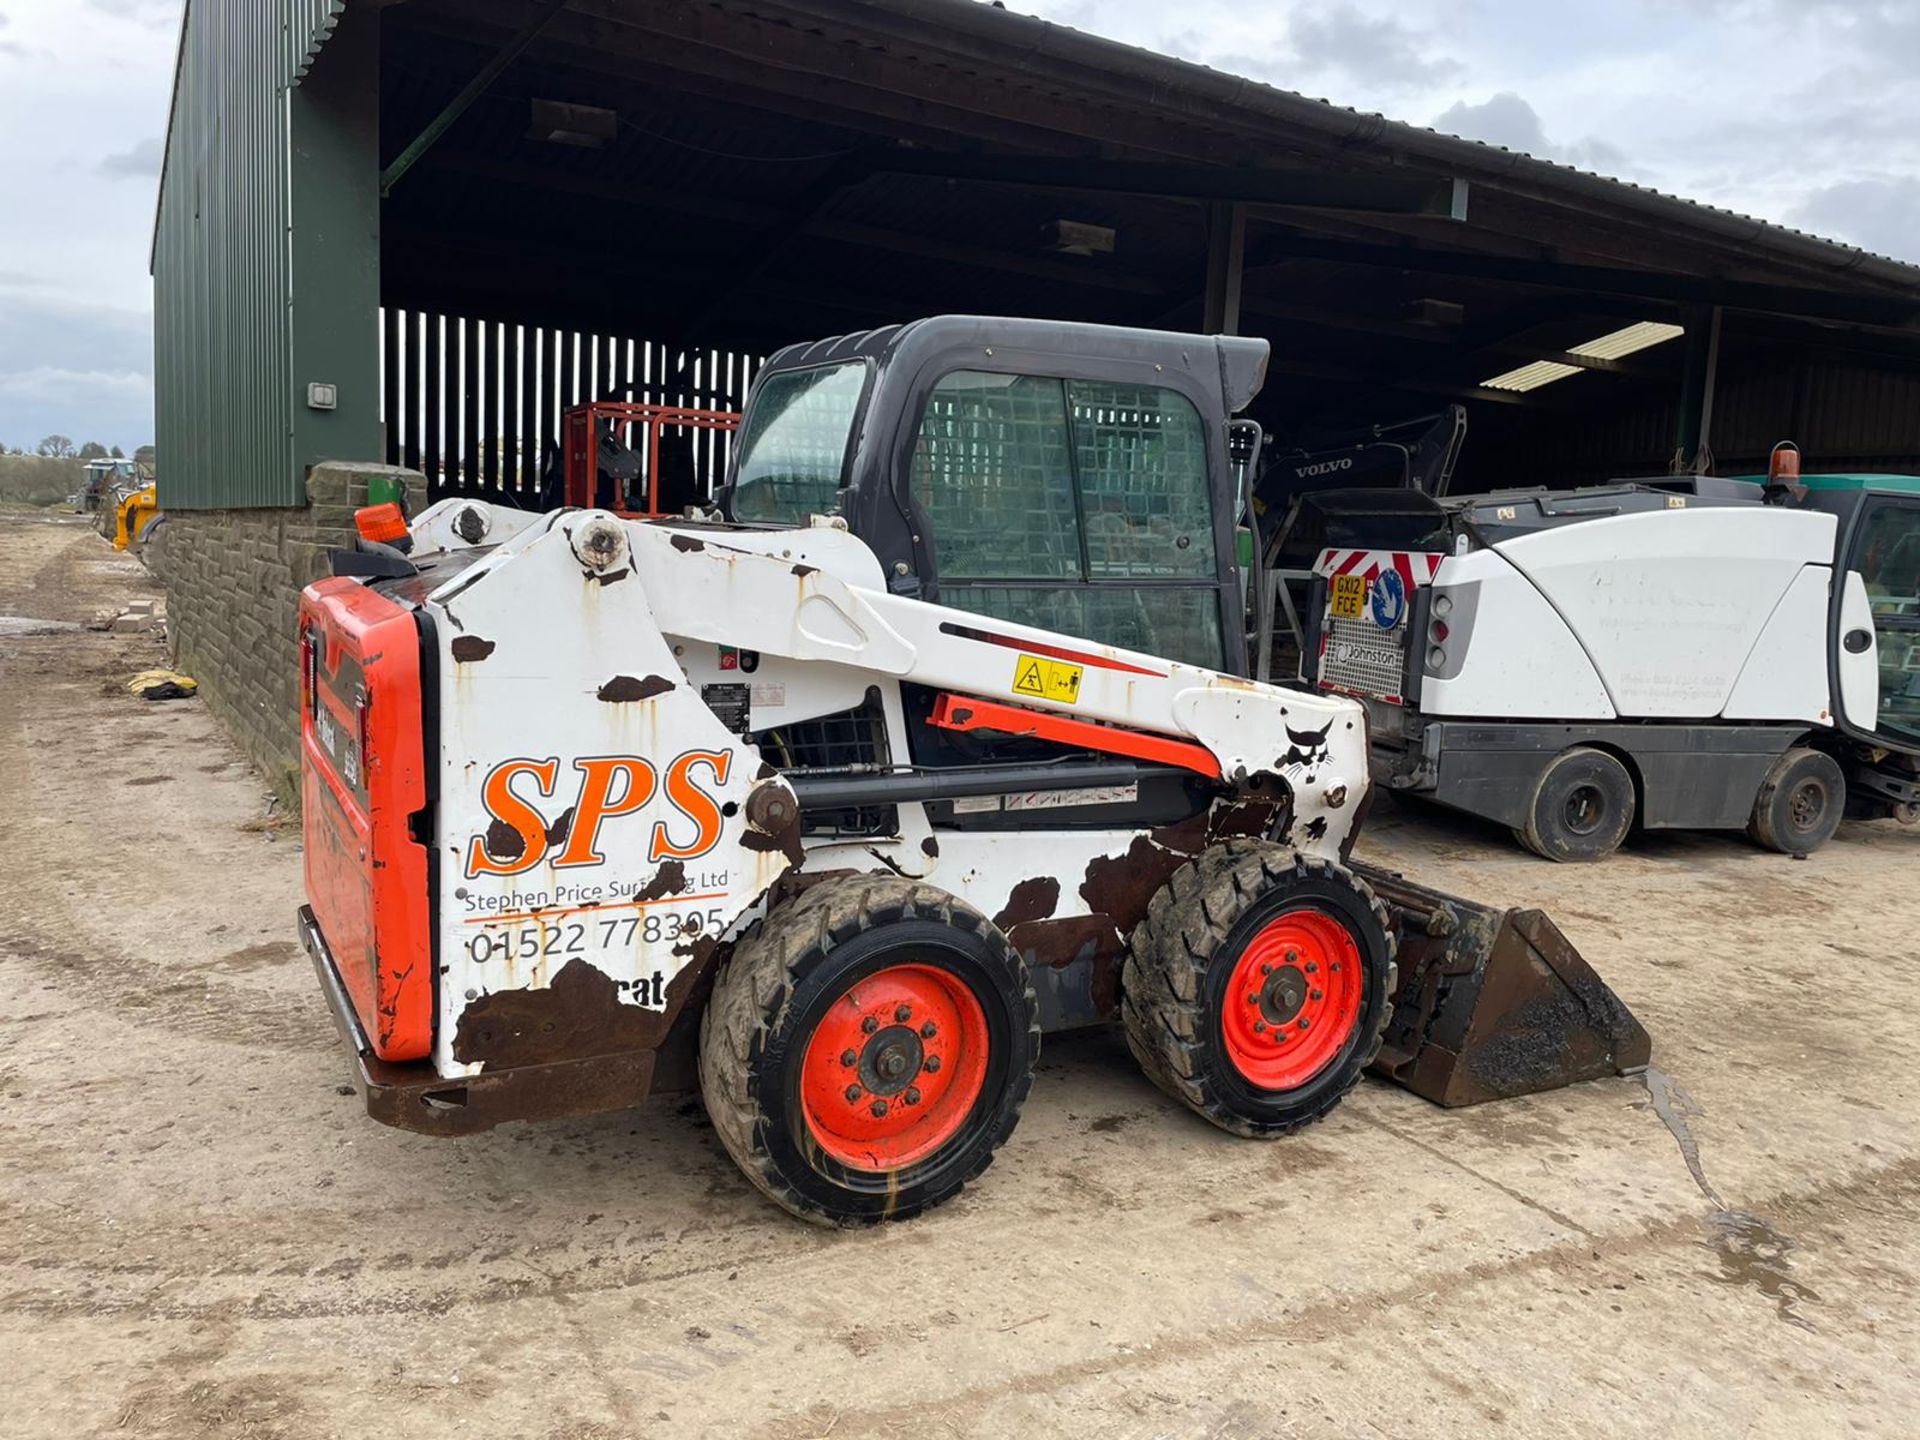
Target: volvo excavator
<point>931,737</point>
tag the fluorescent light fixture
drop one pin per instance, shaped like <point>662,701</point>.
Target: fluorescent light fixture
<point>1531,377</point>
<point>1612,346</point>
<point>1629,341</point>
<point>587,126</point>
<point>1076,237</point>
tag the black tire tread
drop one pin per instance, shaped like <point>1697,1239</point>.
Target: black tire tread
<point>754,987</point>
<point>1162,1009</point>
<point>1761,828</point>
<point>1528,833</point>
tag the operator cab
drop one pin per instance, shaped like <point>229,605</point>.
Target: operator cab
<point>1879,539</point>
<point>1071,477</point>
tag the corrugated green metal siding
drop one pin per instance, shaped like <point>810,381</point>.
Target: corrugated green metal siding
<point>226,411</point>
<point>308,24</point>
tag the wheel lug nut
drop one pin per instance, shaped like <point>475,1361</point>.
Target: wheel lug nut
<point>879,1109</point>
<point>903,1014</point>
<point>912,1097</point>
<point>932,1066</point>
<point>1312,968</point>
<point>1303,1022</point>
<point>1292,955</point>
<point>927,1031</point>
<point>1335,967</point>
<point>1266,968</point>
<point>1316,994</point>
<point>1253,997</point>
<point>847,1057</point>
<point>869,1025</point>
<point>853,1092</point>
<point>1279,1036</point>
<point>1259,1027</point>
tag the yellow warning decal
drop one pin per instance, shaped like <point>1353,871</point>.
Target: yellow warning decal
<point>1047,679</point>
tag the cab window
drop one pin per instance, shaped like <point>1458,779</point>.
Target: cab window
<point>793,443</point>
<point>1889,564</point>
<point>1078,506</point>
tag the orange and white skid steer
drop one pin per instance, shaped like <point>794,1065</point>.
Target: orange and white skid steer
<point>931,739</point>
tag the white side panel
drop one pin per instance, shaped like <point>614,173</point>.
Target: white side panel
<point>593,825</point>
<point>1785,677</point>
<point>702,587</point>
<point>1669,604</point>
<point>434,529</point>
<point>1520,662</point>
<point>1859,674</point>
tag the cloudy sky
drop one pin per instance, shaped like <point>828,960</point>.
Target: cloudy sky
<point>1801,111</point>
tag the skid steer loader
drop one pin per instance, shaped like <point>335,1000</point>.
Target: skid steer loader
<point>933,739</point>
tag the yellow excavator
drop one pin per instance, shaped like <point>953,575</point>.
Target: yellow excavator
<point>133,512</point>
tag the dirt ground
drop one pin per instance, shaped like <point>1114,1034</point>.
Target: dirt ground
<point>201,1233</point>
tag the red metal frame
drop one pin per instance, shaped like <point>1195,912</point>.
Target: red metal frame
<point>961,712</point>
<point>579,449</point>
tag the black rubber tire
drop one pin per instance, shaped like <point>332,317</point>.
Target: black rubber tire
<point>1581,808</point>
<point>770,994</point>
<point>1182,957</point>
<point>1800,803</point>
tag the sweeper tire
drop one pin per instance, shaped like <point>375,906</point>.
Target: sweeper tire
<point>1581,808</point>
<point>1800,803</point>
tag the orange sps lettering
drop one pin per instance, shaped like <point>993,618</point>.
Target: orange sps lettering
<point>605,787</point>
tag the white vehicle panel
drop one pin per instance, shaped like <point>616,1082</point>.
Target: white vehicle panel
<point>584,797</point>
<point>1859,674</point>
<point>598,822</point>
<point>1669,604</point>
<point>1785,675</point>
<point>1520,661</point>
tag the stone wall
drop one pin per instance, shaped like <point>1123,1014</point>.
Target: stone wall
<point>233,580</point>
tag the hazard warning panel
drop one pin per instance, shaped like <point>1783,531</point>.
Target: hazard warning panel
<point>1044,679</point>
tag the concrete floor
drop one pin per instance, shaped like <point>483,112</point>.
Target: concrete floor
<point>200,1235</point>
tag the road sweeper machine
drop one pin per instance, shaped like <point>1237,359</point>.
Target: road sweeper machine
<point>1694,652</point>
<point>933,738</point>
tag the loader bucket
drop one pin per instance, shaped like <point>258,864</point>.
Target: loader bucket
<point>1492,1003</point>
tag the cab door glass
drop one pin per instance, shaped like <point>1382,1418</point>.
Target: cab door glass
<point>1075,506</point>
<point>1142,461</point>
<point>990,470</point>
<point>1888,559</point>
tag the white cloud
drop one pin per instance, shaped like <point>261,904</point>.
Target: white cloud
<point>141,161</point>
<point>1380,48</point>
<point>114,407</point>
<point>1880,214</point>
<point>1509,121</point>
<point>77,166</point>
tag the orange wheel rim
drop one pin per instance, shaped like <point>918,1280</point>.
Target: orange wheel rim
<point>894,1068</point>
<point>1293,1001</point>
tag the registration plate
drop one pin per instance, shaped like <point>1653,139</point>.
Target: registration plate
<point>1349,596</point>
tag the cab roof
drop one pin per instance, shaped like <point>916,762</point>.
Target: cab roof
<point>1239,362</point>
